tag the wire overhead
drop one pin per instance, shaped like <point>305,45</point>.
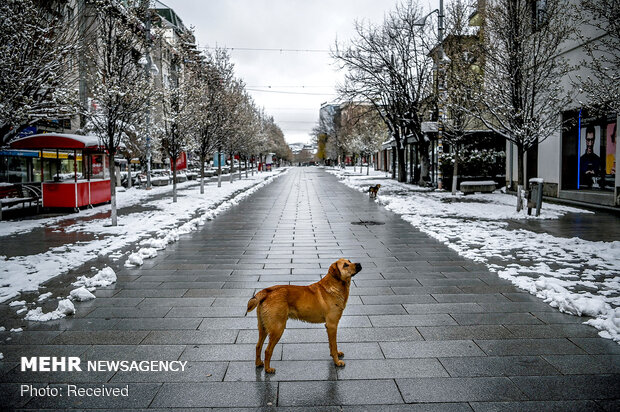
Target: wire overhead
<point>265,49</point>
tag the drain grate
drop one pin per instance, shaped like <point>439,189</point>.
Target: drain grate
<point>367,223</point>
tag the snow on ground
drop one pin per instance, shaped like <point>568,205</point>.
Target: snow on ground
<point>160,225</point>
<point>576,276</point>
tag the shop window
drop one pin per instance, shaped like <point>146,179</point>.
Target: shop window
<point>597,153</point>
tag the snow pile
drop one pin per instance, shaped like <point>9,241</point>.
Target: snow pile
<point>576,276</point>
<point>17,303</point>
<point>137,259</point>
<point>608,324</point>
<point>17,330</point>
<point>1,356</point>
<point>2,328</point>
<point>65,307</point>
<point>105,277</point>
<point>81,294</point>
<point>44,296</point>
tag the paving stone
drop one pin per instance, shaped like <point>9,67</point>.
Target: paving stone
<point>170,302</point>
<point>414,407</point>
<point>458,389</point>
<point>584,364</point>
<point>434,319</point>
<point>351,392</point>
<point>597,345</point>
<point>495,318</point>
<point>192,372</point>
<point>391,368</point>
<point>430,349</point>
<point>469,297</point>
<point>133,352</point>
<point>507,347</point>
<point>464,332</point>
<point>384,300</point>
<point>419,308</point>
<point>536,406</point>
<point>497,366</point>
<point>76,337</point>
<point>324,370</point>
<point>225,352</point>
<point>319,351</point>
<point>569,387</point>
<point>552,331</point>
<point>135,312</point>
<point>216,394</point>
<point>190,337</point>
<point>158,324</point>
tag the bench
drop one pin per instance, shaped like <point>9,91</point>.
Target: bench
<point>484,186</point>
<point>11,195</point>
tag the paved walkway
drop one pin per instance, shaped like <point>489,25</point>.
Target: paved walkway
<point>424,329</point>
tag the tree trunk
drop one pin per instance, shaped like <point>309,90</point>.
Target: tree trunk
<point>252,164</point>
<point>368,166</point>
<point>239,166</point>
<point>113,215</point>
<point>520,177</point>
<point>455,172</point>
<point>402,166</point>
<point>245,161</point>
<point>174,180</point>
<point>424,164</point>
<point>202,175</point>
<point>394,162</point>
<point>232,173</point>
<point>129,182</point>
<point>219,167</point>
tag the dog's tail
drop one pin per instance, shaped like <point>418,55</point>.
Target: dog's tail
<point>255,301</point>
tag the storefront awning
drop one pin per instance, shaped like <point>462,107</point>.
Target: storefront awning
<point>56,141</point>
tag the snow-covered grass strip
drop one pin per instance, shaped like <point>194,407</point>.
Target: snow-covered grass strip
<point>160,225</point>
<point>576,276</point>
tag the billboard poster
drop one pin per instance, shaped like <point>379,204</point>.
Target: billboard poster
<point>181,162</point>
<point>219,159</point>
<point>590,157</point>
<point>610,157</point>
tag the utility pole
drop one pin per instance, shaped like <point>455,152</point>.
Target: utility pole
<point>441,92</point>
<point>147,70</point>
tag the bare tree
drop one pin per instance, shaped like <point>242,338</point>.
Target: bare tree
<point>363,131</point>
<point>523,95</point>
<point>38,70</point>
<point>602,86</point>
<point>118,86</point>
<point>390,67</point>
<point>210,112</point>
<point>463,78</point>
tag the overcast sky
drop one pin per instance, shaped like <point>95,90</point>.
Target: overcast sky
<point>281,24</point>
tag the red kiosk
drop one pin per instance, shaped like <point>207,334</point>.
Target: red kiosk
<point>79,173</point>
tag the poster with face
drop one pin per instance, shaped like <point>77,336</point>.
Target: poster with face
<point>610,158</point>
<point>589,157</point>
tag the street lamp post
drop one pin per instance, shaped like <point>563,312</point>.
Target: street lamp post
<point>440,85</point>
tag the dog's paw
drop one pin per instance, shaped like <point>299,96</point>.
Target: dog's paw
<point>340,354</point>
<point>340,363</point>
<point>259,364</point>
<point>270,370</point>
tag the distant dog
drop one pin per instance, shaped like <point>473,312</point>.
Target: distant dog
<point>321,302</point>
<point>373,190</point>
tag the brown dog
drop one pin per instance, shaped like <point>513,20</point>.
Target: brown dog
<point>373,190</point>
<point>321,302</point>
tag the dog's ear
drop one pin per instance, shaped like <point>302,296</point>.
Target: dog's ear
<point>334,271</point>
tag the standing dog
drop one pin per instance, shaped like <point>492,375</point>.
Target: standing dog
<point>321,302</point>
<point>373,190</point>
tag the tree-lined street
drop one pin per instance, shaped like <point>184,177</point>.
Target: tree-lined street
<point>422,325</point>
